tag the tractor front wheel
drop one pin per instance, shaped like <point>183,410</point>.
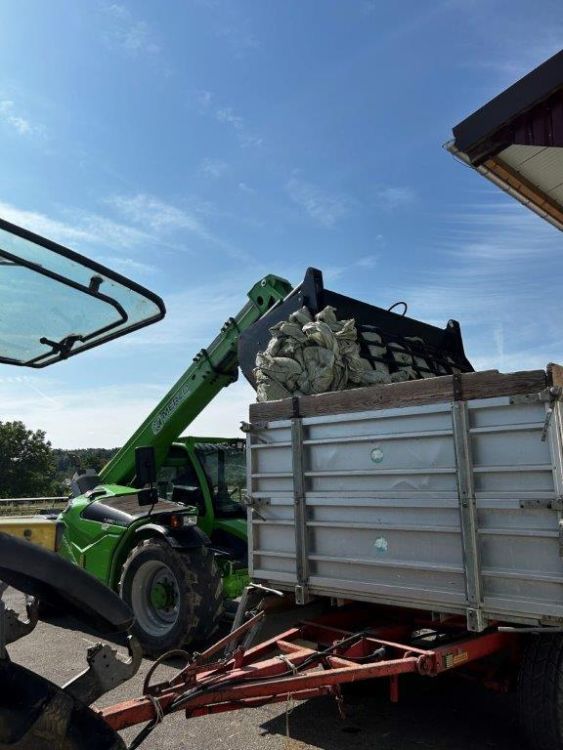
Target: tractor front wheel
<point>176,595</point>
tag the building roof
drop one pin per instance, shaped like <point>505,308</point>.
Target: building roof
<point>516,140</point>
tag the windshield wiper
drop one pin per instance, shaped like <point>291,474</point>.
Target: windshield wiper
<point>62,347</point>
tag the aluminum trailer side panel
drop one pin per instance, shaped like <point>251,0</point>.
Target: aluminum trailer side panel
<point>450,507</point>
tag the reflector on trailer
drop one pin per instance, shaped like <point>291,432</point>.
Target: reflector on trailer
<point>516,140</point>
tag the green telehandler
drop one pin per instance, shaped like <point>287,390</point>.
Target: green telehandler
<point>175,579</point>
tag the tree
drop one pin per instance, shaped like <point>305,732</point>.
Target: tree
<point>27,464</point>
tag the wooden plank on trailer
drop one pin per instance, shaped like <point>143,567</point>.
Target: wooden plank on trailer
<point>473,385</point>
<point>555,375</point>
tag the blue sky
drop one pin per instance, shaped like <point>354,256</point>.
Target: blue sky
<point>195,145</point>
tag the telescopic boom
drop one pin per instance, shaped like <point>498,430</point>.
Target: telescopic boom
<point>212,369</point>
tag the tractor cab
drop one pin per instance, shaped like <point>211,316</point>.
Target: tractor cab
<point>210,474</point>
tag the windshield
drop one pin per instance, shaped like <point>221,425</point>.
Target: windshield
<point>225,467</point>
<point>56,303</point>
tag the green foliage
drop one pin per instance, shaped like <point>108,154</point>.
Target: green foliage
<point>27,464</point>
<point>30,467</point>
<point>77,460</point>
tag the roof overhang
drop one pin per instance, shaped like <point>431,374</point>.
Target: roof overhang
<point>516,140</point>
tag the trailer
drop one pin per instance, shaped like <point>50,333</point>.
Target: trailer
<point>442,494</point>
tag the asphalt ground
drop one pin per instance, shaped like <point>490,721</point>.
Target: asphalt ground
<point>442,713</point>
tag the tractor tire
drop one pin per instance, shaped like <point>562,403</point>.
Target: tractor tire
<point>176,595</point>
<point>540,692</point>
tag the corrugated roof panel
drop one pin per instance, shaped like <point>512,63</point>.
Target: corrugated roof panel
<point>557,194</point>
<point>516,155</point>
<point>543,167</point>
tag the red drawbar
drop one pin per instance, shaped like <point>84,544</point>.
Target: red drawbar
<point>312,659</point>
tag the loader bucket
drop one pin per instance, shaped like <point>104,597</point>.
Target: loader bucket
<point>436,351</point>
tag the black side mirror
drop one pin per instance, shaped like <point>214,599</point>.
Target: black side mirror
<point>145,466</point>
<point>188,496</point>
<point>145,473</point>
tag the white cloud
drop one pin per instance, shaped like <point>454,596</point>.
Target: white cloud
<point>151,213</point>
<point>107,416</point>
<point>226,114</point>
<point>21,125</point>
<point>368,261</point>
<point>82,228</point>
<point>246,138</point>
<point>128,33</point>
<point>239,38</point>
<point>128,265</point>
<point>203,99</point>
<point>324,208</point>
<point>78,418</point>
<point>207,104</point>
<point>498,274</point>
<point>194,316</point>
<point>391,198</point>
<point>213,167</point>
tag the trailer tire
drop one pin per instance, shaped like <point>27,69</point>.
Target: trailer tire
<point>540,692</point>
<point>175,595</point>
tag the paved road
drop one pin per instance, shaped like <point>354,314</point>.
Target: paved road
<point>441,714</point>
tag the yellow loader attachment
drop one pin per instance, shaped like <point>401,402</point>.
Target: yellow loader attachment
<point>40,531</point>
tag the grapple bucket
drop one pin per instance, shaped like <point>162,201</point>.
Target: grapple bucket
<point>382,334</point>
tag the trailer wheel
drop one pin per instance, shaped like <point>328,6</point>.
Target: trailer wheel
<point>540,692</point>
<point>176,596</point>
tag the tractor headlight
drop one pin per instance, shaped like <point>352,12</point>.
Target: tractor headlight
<point>181,520</point>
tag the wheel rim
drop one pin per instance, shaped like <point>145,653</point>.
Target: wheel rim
<point>155,598</point>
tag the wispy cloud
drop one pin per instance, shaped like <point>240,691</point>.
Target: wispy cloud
<point>228,116</point>
<point>496,274</point>
<point>213,167</point>
<point>368,261</point>
<point>239,38</point>
<point>128,265</point>
<point>207,104</point>
<point>510,55</point>
<point>16,122</point>
<point>81,228</point>
<point>132,35</point>
<point>324,208</point>
<point>108,415</point>
<point>391,197</point>
<point>168,222</point>
<point>79,418</point>
<point>156,215</point>
<point>246,188</point>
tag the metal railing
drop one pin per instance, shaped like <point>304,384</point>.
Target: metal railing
<point>30,506</point>
<point>31,500</point>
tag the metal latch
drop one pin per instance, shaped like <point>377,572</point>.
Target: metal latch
<point>552,395</point>
<point>302,594</point>
<point>530,504</point>
<point>251,503</point>
<point>548,415</point>
<point>254,428</point>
